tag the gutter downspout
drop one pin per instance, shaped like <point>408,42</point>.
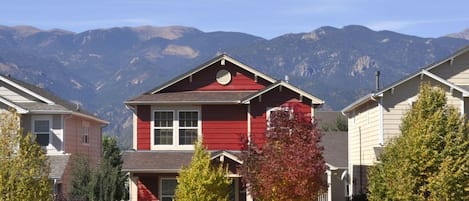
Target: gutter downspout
<point>380,126</point>
<point>249,123</point>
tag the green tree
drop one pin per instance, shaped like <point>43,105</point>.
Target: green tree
<point>82,174</point>
<point>430,160</point>
<point>24,168</point>
<point>201,181</point>
<point>290,165</point>
<point>106,182</point>
<point>109,180</point>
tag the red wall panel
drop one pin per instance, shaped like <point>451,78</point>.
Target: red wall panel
<point>143,127</point>
<point>274,98</point>
<point>205,80</point>
<point>224,126</point>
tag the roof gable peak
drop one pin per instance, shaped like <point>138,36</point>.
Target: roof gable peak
<point>222,59</point>
<point>24,89</point>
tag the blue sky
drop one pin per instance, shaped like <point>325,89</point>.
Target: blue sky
<point>263,18</point>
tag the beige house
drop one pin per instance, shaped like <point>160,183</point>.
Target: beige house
<point>375,119</point>
<point>62,128</point>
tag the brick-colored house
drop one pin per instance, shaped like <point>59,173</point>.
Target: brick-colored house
<point>375,119</point>
<point>62,128</point>
<point>219,102</point>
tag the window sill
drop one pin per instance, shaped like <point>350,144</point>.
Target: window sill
<point>172,147</point>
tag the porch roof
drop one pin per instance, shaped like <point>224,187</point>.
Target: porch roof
<point>58,163</point>
<point>335,149</point>
<point>155,161</point>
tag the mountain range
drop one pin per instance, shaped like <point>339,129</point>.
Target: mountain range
<point>102,68</point>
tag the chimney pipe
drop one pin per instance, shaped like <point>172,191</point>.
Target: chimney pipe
<point>377,80</point>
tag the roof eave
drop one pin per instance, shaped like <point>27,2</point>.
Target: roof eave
<point>50,112</point>
<point>357,103</point>
<point>136,170</point>
<point>18,109</point>
<point>133,103</point>
<point>104,122</point>
<point>26,90</point>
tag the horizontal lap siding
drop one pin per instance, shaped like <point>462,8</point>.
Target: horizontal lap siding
<point>457,73</point>
<point>398,103</point>
<point>205,80</point>
<point>363,134</point>
<point>274,98</point>
<point>224,126</point>
<point>143,127</point>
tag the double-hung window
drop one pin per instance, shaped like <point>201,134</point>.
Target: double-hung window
<point>85,126</point>
<point>167,188</point>
<point>41,128</point>
<point>188,127</point>
<point>175,128</point>
<point>163,124</point>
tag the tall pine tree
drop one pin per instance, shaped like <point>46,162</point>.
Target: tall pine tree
<point>24,168</point>
<point>430,160</point>
<point>105,182</point>
<point>201,181</point>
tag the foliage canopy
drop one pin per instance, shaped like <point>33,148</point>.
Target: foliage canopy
<point>24,168</point>
<point>107,182</point>
<point>290,165</point>
<point>430,160</point>
<point>201,180</point>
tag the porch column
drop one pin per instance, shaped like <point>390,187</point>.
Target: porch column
<point>133,188</point>
<point>248,194</point>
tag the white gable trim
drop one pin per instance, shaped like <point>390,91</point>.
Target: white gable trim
<point>430,75</point>
<point>18,109</point>
<point>222,59</point>
<point>423,72</point>
<point>449,59</point>
<point>2,78</point>
<point>301,93</point>
<point>228,155</point>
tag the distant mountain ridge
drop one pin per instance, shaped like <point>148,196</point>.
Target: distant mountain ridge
<point>103,67</point>
<point>463,34</point>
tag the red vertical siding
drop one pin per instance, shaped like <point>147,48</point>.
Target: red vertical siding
<point>224,126</point>
<point>274,98</point>
<point>143,127</point>
<point>206,80</point>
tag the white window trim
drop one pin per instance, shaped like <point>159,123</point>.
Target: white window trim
<point>175,110</point>
<point>43,118</point>
<point>85,126</point>
<point>160,190</point>
<point>271,109</point>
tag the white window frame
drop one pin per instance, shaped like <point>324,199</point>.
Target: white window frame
<point>85,137</point>
<point>42,118</point>
<point>160,194</point>
<point>175,109</point>
<point>272,109</point>
<point>161,127</point>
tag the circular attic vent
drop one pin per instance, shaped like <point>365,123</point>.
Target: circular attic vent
<point>223,77</point>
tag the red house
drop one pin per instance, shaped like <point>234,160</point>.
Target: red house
<point>220,102</point>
